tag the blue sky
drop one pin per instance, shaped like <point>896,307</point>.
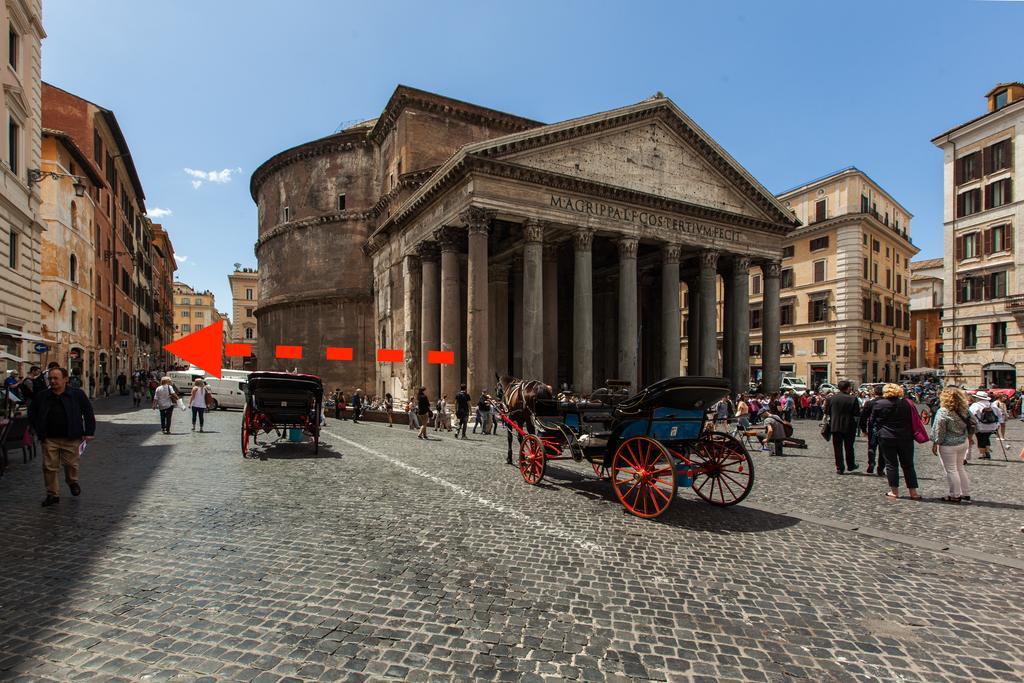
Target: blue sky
<point>793,90</point>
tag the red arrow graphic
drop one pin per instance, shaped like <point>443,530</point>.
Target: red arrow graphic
<point>203,349</point>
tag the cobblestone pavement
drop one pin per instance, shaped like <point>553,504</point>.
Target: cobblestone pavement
<point>390,558</point>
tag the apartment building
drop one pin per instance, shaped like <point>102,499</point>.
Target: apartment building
<point>20,227</point>
<point>192,311</point>
<point>926,302</point>
<point>844,284</point>
<point>245,292</point>
<point>983,321</point>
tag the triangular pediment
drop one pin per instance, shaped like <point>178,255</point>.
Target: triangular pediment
<point>646,157</point>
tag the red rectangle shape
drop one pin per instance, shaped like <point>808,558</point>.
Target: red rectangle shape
<point>441,357</point>
<point>339,353</point>
<point>390,355</point>
<point>238,350</point>
<point>288,352</point>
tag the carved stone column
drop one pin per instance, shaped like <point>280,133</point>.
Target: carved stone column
<point>551,315</point>
<point>412,313</point>
<point>517,315</point>
<point>628,324</point>
<point>497,319</point>
<point>478,363</point>
<point>451,308</point>
<point>533,300</point>
<point>728,338</point>
<point>430,317</point>
<point>771,350</point>
<point>583,313</point>
<point>708,313</point>
<point>670,318</point>
<point>738,318</point>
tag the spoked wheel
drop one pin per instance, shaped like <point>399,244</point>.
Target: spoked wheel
<point>245,432</point>
<point>600,470</point>
<point>643,476</point>
<point>725,471</point>
<point>532,459</point>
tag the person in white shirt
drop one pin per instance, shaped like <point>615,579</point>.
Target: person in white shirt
<point>199,401</point>
<point>164,400</point>
<point>988,417</point>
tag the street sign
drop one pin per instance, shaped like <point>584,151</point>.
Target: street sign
<point>75,354</point>
<point>40,347</point>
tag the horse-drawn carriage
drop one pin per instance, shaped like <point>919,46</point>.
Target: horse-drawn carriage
<point>279,401</point>
<point>646,445</point>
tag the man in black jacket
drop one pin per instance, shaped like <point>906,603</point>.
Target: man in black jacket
<point>62,418</point>
<point>868,428</point>
<point>843,411</point>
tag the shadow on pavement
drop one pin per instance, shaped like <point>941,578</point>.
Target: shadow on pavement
<point>50,555</point>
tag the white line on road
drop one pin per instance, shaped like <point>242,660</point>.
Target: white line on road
<point>498,507</point>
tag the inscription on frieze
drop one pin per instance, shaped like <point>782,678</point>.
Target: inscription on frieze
<point>650,219</point>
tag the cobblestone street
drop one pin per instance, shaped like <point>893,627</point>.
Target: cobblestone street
<point>389,558</point>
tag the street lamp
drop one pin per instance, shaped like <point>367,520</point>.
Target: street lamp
<point>36,175</point>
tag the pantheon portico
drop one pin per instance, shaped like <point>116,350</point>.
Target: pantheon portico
<point>574,252</point>
<point>561,253</point>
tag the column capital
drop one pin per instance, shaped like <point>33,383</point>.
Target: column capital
<point>533,230</point>
<point>448,238</point>
<point>771,268</point>
<point>709,258</point>
<point>628,247</point>
<point>427,250</point>
<point>413,259</point>
<point>670,252</point>
<point>741,265</point>
<point>477,219</point>
<point>583,239</point>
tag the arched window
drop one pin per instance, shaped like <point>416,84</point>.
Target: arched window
<point>73,268</point>
<point>74,216</point>
<point>248,333</point>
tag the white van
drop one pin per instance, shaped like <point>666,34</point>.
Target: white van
<point>794,384</point>
<point>227,392</point>
<point>182,380</point>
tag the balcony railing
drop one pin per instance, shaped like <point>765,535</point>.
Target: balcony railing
<point>1015,303</point>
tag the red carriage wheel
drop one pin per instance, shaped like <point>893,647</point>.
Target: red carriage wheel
<point>599,469</point>
<point>245,432</point>
<point>532,459</point>
<point>724,472</point>
<point>643,476</point>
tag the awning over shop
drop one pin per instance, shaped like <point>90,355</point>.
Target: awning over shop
<point>18,334</point>
<point>998,366</point>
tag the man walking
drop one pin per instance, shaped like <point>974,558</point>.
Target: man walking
<point>843,411</point>
<point>357,406</point>
<point>868,427</point>
<point>62,418</point>
<point>462,400</point>
<point>988,416</point>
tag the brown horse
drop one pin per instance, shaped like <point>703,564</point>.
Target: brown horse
<point>519,401</point>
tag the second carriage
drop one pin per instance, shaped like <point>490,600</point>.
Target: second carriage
<point>646,445</point>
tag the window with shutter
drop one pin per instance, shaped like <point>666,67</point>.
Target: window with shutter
<point>960,248</point>
<point>820,210</point>
<point>1008,237</point>
<point>986,243</point>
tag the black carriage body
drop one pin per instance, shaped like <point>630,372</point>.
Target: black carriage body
<point>673,411</point>
<point>285,399</point>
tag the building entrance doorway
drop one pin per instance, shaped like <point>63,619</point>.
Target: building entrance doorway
<point>1000,375</point>
<point>819,374</point>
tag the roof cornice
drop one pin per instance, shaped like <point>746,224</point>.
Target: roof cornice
<point>331,144</point>
<point>1012,108</point>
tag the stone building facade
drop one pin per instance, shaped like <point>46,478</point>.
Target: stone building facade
<point>192,311</point>
<point>926,300</point>
<point>245,293</point>
<point>68,263</point>
<point>164,266</point>
<point>555,252</point>
<point>124,261</point>
<point>20,227</point>
<point>983,178</point>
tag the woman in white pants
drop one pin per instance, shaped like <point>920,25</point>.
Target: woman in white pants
<point>952,432</point>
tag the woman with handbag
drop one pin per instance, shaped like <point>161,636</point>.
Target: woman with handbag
<point>952,432</point>
<point>894,418</point>
<point>165,399</point>
<point>423,412</point>
<point>200,400</point>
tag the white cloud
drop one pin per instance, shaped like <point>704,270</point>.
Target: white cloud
<point>220,177</point>
<point>180,259</point>
<point>157,212</point>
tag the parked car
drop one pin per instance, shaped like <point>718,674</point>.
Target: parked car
<point>869,387</point>
<point>794,384</point>
<point>827,388</point>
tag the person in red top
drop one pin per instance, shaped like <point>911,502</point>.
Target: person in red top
<point>805,404</point>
